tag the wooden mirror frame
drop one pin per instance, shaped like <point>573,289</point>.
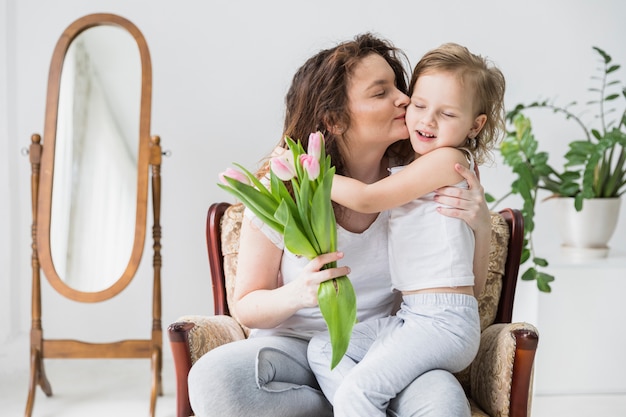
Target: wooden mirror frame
<point>48,155</point>
<point>42,168</point>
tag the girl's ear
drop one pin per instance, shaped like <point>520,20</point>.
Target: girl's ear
<point>479,123</point>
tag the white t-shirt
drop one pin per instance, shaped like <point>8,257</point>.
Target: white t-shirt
<point>366,255</point>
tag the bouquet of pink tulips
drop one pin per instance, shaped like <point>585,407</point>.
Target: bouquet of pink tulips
<point>306,220</point>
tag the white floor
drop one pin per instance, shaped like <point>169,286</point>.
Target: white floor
<point>84,387</point>
<point>121,387</point>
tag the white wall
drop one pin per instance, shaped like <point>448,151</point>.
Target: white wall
<point>220,72</point>
<point>4,176</point>
<point>9,282</point>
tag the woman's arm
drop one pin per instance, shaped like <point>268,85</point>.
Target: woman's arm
<point>470,206</point>
<point>260,300</point>
<point>425,174</point>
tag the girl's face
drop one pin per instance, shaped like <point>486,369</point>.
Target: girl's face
<point>441,113</point>
<point>377,108</point>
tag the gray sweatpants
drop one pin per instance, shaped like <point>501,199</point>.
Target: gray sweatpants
<point>270,376</point>
<point>431,331</point>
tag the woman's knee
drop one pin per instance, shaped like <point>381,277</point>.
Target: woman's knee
<point>218,381</point>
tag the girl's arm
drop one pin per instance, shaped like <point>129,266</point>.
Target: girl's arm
<point>425,174</point>
<point>260,301</point>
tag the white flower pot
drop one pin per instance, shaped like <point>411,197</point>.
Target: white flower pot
<point>586,233</point>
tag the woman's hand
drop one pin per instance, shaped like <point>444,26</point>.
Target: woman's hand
<point>305,287</point>
<point>468,205</point>
<point>260,299</point>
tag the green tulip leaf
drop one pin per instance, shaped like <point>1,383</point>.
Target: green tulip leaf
<point>260,204</point>
<point>337,302</point>
<point>257,184</point>
<point>295,239</point>
<point>321,214</point>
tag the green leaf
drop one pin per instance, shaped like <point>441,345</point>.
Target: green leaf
<point>569,189</point>
<point>530,274</point>
<point>543,281</point>
<point>295,239</point>
<point>260,187</point>
<point>613,68</point>
<point>570,175</point>
<point>282,194</point>
<point>321,214</point>
<point>578,202</point>
<point>611,97</point>
<point>337,302</point>
<point>261,204</point>
<point>303,198</point>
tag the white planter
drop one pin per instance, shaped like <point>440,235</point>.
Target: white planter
<point>585,234</point>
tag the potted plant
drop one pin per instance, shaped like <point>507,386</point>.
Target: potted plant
<point>595,167</point>
<point>519,150</point>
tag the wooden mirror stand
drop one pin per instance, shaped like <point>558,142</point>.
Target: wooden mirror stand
<point>42,168</point>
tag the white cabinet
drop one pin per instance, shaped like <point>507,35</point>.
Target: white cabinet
<point>581,323</point>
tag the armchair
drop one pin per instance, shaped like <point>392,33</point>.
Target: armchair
<point>497,383</point>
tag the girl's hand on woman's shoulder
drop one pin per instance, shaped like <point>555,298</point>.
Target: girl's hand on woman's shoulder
<point>468,205</point>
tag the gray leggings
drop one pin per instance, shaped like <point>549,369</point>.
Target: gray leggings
<point>270,376</point>
<point>431,331</point>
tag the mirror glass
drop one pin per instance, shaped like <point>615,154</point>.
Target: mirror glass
<point>94,198</point>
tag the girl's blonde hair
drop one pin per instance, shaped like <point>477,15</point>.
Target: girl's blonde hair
<point>485,82</point>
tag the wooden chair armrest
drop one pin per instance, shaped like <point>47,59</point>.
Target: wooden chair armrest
<point>501,374</point>
<point>190,338</point>
<point>179,341</point>
<point>521,388</point>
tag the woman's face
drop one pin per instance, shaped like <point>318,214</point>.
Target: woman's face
<point>377,108</point>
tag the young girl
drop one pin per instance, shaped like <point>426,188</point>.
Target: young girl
<point>455,116</point>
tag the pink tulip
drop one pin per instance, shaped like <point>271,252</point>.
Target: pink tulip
<point>311,165</point>
<point>283,166</point>
<point>315,145</point>
<point>234,174</point>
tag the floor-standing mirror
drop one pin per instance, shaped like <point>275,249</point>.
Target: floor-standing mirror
<point>90,178</point>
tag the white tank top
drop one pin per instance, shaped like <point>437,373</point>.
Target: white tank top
<point>428,249</point>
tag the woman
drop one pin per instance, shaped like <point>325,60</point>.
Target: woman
<point>355,94</point>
